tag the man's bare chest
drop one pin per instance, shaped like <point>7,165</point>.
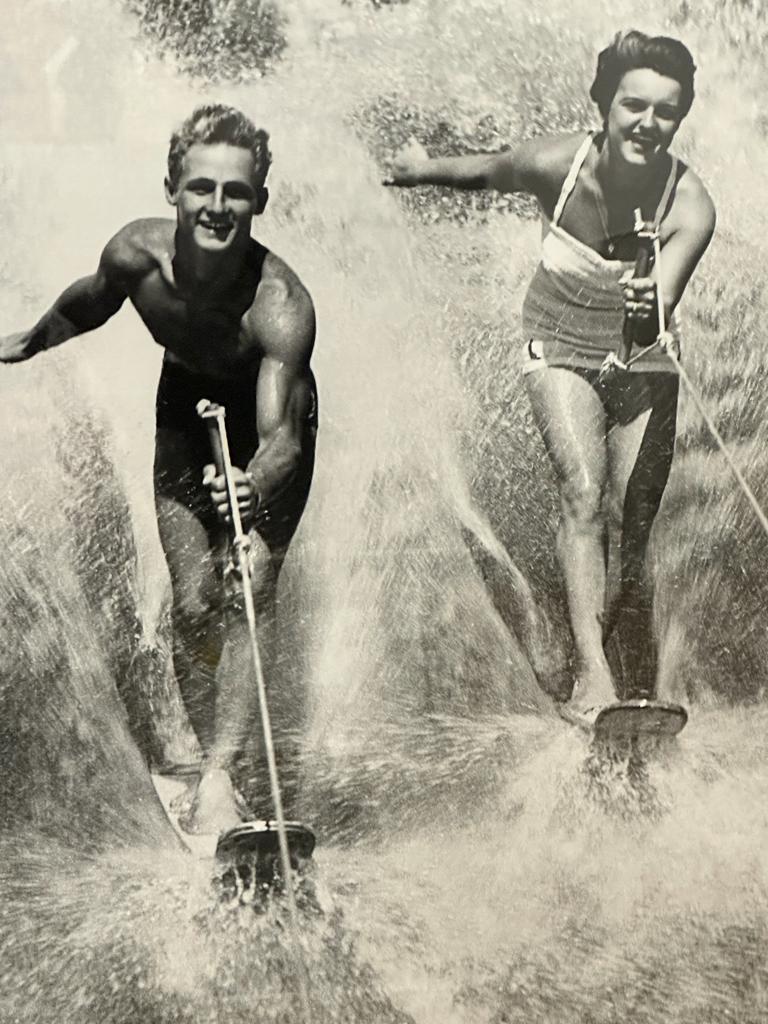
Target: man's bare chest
<point>211,337</point>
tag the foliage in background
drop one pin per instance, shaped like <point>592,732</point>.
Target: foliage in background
<point>740,24</point>
<point>234,40</point>
<point>487,111</point>
<point>479,75</point>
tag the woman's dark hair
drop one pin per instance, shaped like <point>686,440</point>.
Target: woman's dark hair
<point>633,49</point>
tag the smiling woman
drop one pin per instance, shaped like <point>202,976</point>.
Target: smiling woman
<point>610,438</point>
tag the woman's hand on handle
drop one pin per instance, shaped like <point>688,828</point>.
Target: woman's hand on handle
<point>640,302</point>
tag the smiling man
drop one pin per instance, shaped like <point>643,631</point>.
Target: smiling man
<point>238,328</point>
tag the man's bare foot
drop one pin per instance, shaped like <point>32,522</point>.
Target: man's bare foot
<point>214,805</point>
<point>182,804</point>
<point>592,691</point>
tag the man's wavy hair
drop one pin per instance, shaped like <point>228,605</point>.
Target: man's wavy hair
<point>633,49</point>
<point>215,122</point>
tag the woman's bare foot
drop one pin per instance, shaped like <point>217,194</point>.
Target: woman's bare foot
<point>213,807</point>
<point>592,691</point>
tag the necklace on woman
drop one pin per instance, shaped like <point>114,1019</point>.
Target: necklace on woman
<point>612,242</point>
<point>643,194</point>
<point>603,215</point>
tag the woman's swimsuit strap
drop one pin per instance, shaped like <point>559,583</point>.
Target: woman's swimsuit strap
<point>666,194</point>
<point>573,173</point>
<point>570,180</point>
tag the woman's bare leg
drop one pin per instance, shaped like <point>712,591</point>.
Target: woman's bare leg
<point>572,421</point>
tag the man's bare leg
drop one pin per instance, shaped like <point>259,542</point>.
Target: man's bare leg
<point>215,805</point>
<point>196,613</point>
<point>572,422</point>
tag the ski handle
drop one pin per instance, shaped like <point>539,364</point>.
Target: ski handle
<point>645,235</point>
<point>214,414</point>
<point>211,413</point>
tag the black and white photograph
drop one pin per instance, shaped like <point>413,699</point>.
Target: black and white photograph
<point>384,576</point>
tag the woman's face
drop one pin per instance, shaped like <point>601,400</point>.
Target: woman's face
<point>643,117</point>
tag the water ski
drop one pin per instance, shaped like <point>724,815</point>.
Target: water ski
<point>249,855</point>
<point>257,841</point>
<point>630,719</point>
<point>253,843</point>
<point>172,787</point>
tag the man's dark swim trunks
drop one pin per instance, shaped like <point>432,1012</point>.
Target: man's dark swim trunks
<point>182,449</point>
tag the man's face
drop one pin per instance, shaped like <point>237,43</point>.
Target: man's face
<point>216,196</point>
<point>644,116</point>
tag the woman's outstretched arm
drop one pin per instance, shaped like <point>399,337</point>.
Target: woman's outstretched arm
<point>509,171</point>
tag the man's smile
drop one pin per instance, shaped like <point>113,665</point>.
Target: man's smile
<point>218,229</point>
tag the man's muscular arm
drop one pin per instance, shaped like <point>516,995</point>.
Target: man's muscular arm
<point>283,320</point>
<point>286,328</point>
<point>83,306</point>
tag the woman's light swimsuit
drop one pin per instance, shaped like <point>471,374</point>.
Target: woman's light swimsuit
<point>573,312</point>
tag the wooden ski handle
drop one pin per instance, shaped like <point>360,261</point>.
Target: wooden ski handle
<point>643,261</point>
<point>642,266</point>
<point>212,414</point>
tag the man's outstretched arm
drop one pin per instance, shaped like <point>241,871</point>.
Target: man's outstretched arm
<point>83,306</point>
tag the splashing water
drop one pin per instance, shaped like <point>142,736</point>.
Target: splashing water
<point>475,866</point>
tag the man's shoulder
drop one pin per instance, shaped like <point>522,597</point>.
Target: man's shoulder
<point>281,281</point>
<point>282,313</point>
<point>138,246</point>
<point>280,290</point>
